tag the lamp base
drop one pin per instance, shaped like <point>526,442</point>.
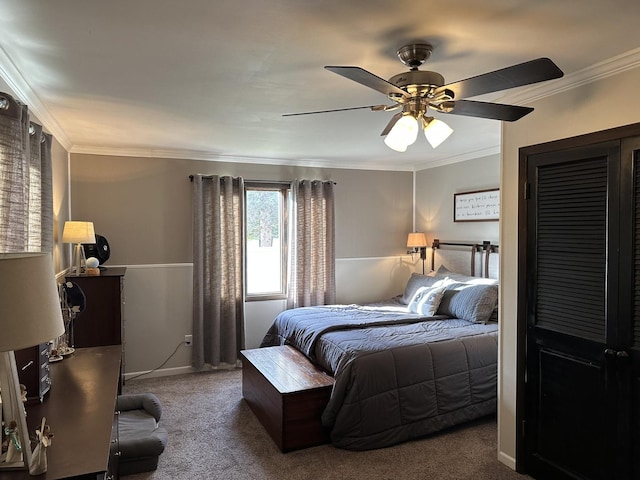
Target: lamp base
<point>18,455</point>
<point>78,258</point>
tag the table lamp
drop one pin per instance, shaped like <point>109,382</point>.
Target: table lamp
<point>78,233</point>
<point>31,315</point>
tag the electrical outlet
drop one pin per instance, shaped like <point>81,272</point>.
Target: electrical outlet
<point>188,339</point>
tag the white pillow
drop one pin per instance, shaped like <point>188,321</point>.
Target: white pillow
<point>426,300</point>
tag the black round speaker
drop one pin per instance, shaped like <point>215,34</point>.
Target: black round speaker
<point>100,249</point>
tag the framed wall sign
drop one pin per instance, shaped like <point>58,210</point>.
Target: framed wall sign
<point>477,206</point>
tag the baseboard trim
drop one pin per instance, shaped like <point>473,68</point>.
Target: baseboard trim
<point>165,372</point>
<point>507,460</point>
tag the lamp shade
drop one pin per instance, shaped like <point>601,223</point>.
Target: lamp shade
<point>78,232</point>
<point>29,301</point>
<point>403,133</point>
<point>436,132</point>
<point>416,240</point>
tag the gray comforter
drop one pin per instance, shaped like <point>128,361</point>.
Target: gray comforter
<point>397,375</point>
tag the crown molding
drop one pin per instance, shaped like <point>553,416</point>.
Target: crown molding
<point>185,154</point>
<point>483,152</point>
<point>607,68</point>
<point>23,91</point>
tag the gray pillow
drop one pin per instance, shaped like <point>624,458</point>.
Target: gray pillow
<point>415,282</point>
<point>474,303</point>
<point>445,302</point>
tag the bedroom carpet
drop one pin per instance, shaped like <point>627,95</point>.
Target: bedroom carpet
<point>214,435</point>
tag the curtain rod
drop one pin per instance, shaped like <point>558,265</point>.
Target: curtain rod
<point>9,106</point>
<point>209,177</point>
<point>282,182</point>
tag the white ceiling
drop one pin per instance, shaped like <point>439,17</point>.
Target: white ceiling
<point>210,79</point>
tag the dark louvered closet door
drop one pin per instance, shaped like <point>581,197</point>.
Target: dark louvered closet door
<point>631,258</point>
<point>571,250</point>
<point>570,227</point>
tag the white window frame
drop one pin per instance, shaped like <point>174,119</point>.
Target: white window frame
<point>285,190</point>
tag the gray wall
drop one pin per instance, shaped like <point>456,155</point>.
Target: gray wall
<point>434,199</point>
<point>142,205</point>
<point>61,205</point>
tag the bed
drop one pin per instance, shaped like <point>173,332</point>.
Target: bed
<point>406,367</point>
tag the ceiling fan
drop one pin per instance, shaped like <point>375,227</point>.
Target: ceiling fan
<point>417,91</point>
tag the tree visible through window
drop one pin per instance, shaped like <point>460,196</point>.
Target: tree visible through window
<point>266,240</point>
<point>263,221</point>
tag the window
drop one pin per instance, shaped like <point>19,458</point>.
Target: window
<point>266,240</point>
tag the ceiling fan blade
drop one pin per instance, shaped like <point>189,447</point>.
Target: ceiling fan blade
<point>373,108</point>
<point>495,111</point>
<point>526,73</point>
<point>368,79</point>
<point>391,123</point>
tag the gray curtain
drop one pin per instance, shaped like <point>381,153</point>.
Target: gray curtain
<point>26,198</point>
<point>218,270</point>
<point>312,277</point>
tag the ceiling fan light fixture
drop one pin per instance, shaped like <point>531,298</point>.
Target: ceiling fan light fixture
<point>403,133</point>
<point>436,131</point>
<point>394,144</point>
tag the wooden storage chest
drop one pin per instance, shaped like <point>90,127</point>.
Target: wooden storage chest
<point>288,394</point>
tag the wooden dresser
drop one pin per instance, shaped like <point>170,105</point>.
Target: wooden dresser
<point>33,370</point>
<point>80,409</point>
<point>101,322</point>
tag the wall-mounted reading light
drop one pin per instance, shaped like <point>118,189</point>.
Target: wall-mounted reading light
<point>418,242</point>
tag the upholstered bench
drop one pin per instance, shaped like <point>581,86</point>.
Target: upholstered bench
<point>141,440</point>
